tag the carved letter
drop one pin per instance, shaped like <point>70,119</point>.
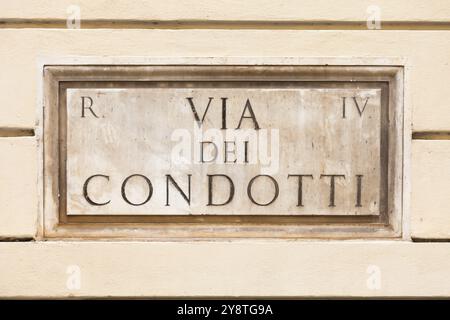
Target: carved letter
<point>300,186</point>
<point>252,115</point>
<point>187,198</point>
<point>202,143</point>
<point>194,111</point>
<point>332,186</point>
<point>226,151</point>
<point>358,190</point>
<point>343,107</point>
<point>249,190</point>
<point>150,190</point>
<point>224,113</point>
<point>210,190</point>
<point>357,106</point>
<point>83,107</point>
<point>85,190</point>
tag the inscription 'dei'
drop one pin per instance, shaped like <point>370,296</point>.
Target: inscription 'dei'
<point>223,151</point>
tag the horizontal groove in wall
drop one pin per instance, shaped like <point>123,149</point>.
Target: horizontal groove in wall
<point>16,132</point>
<point>16,239</point>
<point>431,135</point>
<point>419,239</point>
<point>224,24</point>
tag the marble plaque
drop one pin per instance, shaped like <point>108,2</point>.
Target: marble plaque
<point>224,151</point>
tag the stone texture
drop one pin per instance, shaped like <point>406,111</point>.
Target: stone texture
<point>225,268</point>
<point>430,189</point>
<point>18,187</point>
<point>153,132</point>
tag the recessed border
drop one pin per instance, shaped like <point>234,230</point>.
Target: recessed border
<point>55,228</point>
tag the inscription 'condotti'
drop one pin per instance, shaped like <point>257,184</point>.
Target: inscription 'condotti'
<point>224,151</point>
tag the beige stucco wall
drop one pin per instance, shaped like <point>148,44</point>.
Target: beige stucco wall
<point>416,32</point>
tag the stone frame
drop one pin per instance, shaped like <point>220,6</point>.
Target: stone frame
<point>57,225</point>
